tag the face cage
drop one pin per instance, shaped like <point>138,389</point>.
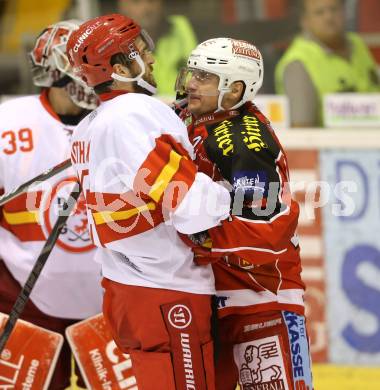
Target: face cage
<point>82,95</point>
<point>63,64</point>
<point>43,76</point>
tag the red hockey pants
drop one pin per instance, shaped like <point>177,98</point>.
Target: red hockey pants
<point>167,334</point>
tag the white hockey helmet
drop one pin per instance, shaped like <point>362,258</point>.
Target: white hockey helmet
<point>230,59</point>
<point>50,65</point>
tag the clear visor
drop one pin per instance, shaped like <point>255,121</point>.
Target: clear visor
<point>131,50</point>
<point>191,75</point>
<point>78,73</point>
<point>147,39</point>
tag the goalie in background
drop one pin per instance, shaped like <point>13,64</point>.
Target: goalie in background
<point>35,133</point>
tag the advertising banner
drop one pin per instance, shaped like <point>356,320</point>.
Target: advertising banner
<point>352,110</point>
<point>275,108</point>
<point>352,249</point>
<point>305,179</point>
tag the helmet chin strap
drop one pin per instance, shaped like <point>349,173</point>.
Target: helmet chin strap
<point>222,91</point>
<point>144,84</point>
<point>220,108</point>
<point>220,98</point>
<point>237,105</point>
<point>139,80</point>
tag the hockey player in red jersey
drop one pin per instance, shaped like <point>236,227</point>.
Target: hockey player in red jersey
<point>255,253</point>
<point>35,135</point>
<point>134,160</point>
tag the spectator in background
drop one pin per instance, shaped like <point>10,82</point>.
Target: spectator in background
<point>173,35</point>
<point>323,59</point>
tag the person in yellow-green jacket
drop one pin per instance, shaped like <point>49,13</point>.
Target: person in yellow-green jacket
<point>173,35</point>
<point>323,59</point>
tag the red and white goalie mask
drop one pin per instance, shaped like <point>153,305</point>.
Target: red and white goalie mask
<point>51,68</point>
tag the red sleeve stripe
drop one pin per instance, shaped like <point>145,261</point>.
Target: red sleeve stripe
<point>167,163</point>
<point>23,209</point>
<point>25,232</point>
<point>103,201</point>
<point>116,230</point>
<point>111,216</point>
<point>28,201</point>
<point>118,216</point>
<point>21,217</point>
<point>165,176</point>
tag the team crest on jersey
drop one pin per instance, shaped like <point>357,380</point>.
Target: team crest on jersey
<point>260,364</point>
<point>75,236</point>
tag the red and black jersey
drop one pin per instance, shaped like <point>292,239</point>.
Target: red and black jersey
<point>261,265</point>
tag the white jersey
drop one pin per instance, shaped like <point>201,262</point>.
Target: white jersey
<point>134,160</point>
<point>32,140</point>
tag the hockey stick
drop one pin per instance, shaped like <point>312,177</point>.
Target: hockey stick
<point>43,176</point>
<point>23,297</point>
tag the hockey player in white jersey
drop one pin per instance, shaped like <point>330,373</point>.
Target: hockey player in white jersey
<point>134,160</point>
<point>35,134</point>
